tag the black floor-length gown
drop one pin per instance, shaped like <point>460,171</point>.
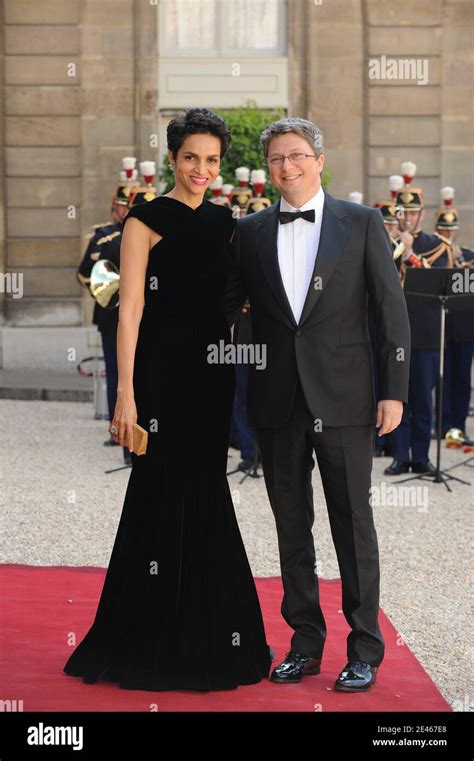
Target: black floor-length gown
<point>179,607</point>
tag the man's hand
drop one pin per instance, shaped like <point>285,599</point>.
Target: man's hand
<point>407,238</point>
<point>456,251</point>
<point>389,415</point>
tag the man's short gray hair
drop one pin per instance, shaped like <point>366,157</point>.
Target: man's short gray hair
<point>311,133</point>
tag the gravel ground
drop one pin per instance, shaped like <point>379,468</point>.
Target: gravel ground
<point>60,508</point>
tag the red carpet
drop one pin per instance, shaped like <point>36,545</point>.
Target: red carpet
<point>42,605</point>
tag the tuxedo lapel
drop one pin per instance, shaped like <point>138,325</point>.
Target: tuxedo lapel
<point>334,230</point>
<point>267,249</point>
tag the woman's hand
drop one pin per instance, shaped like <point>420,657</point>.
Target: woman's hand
<point>124,416</point>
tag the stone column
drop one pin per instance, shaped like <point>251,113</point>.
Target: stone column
<point>42,148</point>
<point>404,117</point>
<point>326,82</point>
<point>457,115</point>
<point>297,57</point>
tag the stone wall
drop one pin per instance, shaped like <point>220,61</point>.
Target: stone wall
<point>42,135</point>
<point>80,81</point>
<point>371,126</point>
<point>80,93</point>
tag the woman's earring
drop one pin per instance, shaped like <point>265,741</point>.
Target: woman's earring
<point>172,167</point>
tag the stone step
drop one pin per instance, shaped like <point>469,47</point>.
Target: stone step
<point>40,384</point>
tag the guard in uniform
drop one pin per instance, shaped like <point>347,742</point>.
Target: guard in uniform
<point>248,203</point>
<point>410,442</point>
<point>105,244</point>
<point>459,327</point>
<point>243,433</point>
<point>243,192</point>
<point>257,201</point>
<point>217,190</point>
<point>107,323</point>
<point>389,213</point>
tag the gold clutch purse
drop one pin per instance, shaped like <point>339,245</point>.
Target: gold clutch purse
<point>140,439</point>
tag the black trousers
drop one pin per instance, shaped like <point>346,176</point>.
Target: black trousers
<point>344,457</point>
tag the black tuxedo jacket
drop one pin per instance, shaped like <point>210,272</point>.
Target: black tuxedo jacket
<point>330,346</point>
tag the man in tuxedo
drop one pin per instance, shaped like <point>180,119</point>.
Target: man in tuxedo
<point>307,265</point>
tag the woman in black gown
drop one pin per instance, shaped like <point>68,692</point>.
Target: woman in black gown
<point>179,607</point>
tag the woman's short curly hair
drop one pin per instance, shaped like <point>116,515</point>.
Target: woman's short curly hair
<point>197,121</point>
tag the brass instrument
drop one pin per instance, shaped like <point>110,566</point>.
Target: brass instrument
<point>104,283</point>
<point>464,265</point>
<point>398,247</point>
<point>415,260</point>
<point>455,439</point>
<point>460,262</point>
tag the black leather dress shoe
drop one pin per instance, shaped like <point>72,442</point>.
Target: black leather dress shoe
<point>295,667</point>
<point>356,676</point>
<point>423,467</point>
<point>396,468</point>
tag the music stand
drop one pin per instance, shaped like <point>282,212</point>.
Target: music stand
<point>433,288</point>
<point>120,467</point>
<point>252,471</point>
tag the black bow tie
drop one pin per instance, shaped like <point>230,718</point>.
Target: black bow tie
<point>290,216</point>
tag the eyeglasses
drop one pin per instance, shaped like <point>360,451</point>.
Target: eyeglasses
<point>294,158</point>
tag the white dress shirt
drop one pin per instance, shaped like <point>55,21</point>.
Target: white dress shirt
<point>298,244</point>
